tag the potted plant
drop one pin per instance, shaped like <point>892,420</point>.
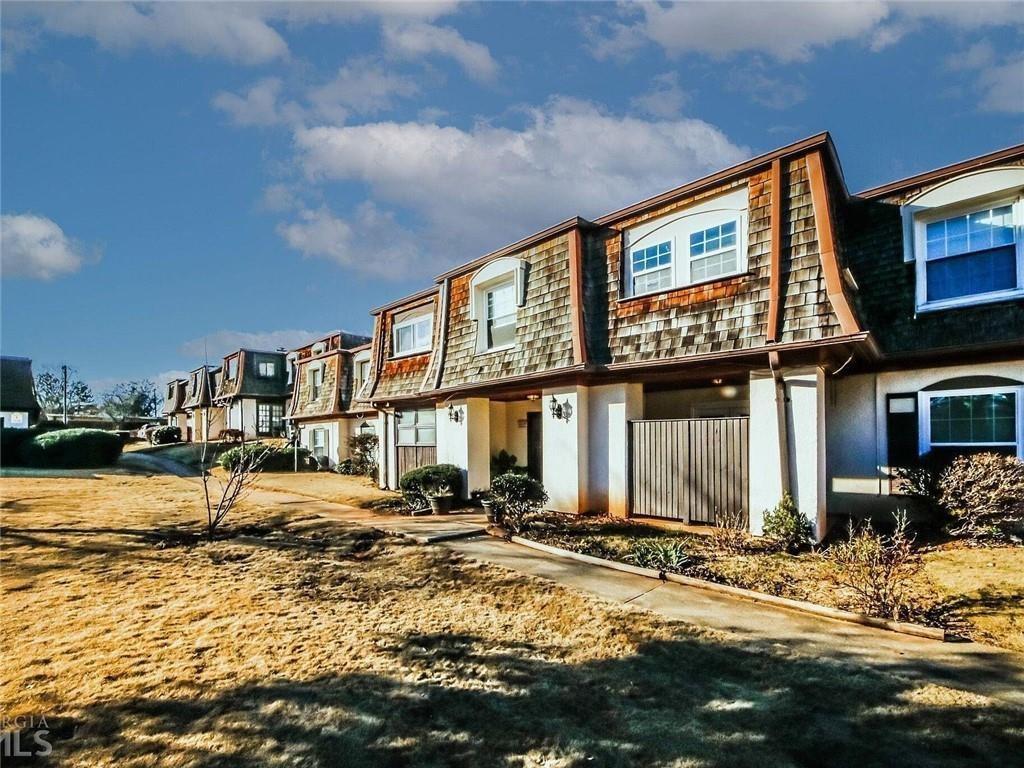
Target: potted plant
<point>487,502</point>
<point>441,498</point>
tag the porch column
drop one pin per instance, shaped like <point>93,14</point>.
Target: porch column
<point>386,453</point>
<point>612,407</point>
<point>566,448</point>
<point>466,443</point>
<point>801,413</point>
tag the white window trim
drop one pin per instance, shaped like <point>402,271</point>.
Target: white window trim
<point>487,278</point>
<point>924,431</point>
<point>920,222</point>
<point>406,322</point>
<point>738,215</point>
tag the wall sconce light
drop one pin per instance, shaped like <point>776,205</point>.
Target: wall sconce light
<point>717,382</point>
<point>560,411</point>
<point>454,414</point>
<point>533,397</point>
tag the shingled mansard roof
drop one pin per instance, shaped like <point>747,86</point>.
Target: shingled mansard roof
<point>17,387</point>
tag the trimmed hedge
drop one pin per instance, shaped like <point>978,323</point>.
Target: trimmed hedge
<point>417,483</point>
<point>164,435</point>
<point>71,449</point>
<point>278,460</point>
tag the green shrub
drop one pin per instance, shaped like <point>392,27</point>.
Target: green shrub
<point>982,492</point>
<point>11,441</point>
<point>71,449</point>
<point>164,435</point>
<point>346,467</point>
<point>787,525</point>
<point>660,555</point>
<point>504,462</point>
<point>363,448</point>
<point>517,499</point>
<point>278,459</point>
<point>416,484</point>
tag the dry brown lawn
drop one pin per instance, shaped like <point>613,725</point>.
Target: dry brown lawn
<point>329,486</point>
<point>307,643</point>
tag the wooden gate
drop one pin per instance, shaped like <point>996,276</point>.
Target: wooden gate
<point>688,469</point>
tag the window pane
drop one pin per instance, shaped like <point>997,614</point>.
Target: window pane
<point>426,416</point>
<point>971,274</point>
<point>966,419</point>
<point>407,435</point>
<point>426,436</point>
<point>652,281</point>
<point>712,266</point>
<point>974,232</point>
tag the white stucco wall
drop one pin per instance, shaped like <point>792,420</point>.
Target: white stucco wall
<point>466,443</point>
<point>566,450</point>
<point>242,415</point>
<point>612,407</point>
<point>805,413</point>
<point>337,439</point>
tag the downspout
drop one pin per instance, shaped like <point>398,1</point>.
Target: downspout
<point>782,422</point>
<point>442,339</point>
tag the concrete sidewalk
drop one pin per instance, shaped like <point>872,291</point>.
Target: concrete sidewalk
<point>972,667</point>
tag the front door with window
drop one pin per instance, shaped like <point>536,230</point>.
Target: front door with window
<point>320,444</point>
<point>416,439</point>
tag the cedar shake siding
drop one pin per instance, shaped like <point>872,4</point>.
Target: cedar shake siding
<point>543,331</point>
<point>336,389</point>
<point>397,378</point>
<point>723,315</point>
<point>887,298</point>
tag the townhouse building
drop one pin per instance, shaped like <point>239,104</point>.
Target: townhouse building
<point>324,376</point>
<point>174,411</point>
<point>698,354</point>
<point>204,420</point>
<point>253,391</point>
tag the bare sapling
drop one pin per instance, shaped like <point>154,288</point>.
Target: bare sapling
<point>242,474</point>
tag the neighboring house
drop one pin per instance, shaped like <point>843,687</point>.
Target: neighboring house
<point>204,420</point>
<point>698,354</point>
<point>324,376</point>
<point>174,405</point>
<point>19,406</point>
<point>254,391</point>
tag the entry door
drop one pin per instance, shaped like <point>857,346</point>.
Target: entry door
<point>534,446</point>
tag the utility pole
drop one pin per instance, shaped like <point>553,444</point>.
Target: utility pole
<point>64,373</point>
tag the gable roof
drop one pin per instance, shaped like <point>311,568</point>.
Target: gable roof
<point>17,387</point>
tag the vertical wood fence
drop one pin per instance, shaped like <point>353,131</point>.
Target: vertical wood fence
<point>689,470</point>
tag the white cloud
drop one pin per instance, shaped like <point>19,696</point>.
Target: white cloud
<point>1003,86</point>
<point>214,346</point>
<point>665,97</point>
<point>279,197</point>
<point>242,32</point>
<point>360,87</point>
<point>786,31</point>
<point>257,106</point>
<point>980,54</point>
<point>477,189</point>
<point>371,241</point>
<point>418,39</point>
<point>37,248</point>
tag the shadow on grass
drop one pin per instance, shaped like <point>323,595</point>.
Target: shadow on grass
<point>687,700</point>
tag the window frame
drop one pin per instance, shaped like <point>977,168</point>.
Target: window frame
<point>416,426</point>
<point>326,445</point>
<point>411,321</point>
<point>922,219</point>
<point>273,418</point>
<point>315,386</point>
<point>676,228</point>
<point>232,369</point>
<point>924,398</point>
<point>486,291</point>
<point>259,369</point>
<point>670,267</point>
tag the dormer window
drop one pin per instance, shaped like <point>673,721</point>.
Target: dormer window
<point>413,334</point>
<point>698,244</point>
<point>316,382</point>
<point>232,373</point>
<point>267,370</point>
<point>497,290</point>
<point>965,238</point>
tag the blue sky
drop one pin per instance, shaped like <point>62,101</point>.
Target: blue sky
<point>188,177</point>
